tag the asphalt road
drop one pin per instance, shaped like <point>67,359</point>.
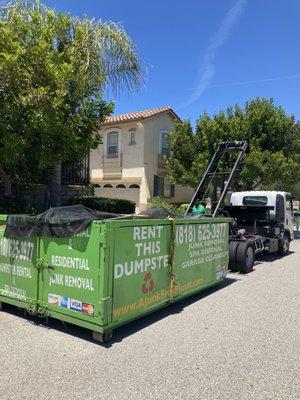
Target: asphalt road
<point>240,341</point>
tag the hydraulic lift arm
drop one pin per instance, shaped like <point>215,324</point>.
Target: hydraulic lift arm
<point>213,171</point>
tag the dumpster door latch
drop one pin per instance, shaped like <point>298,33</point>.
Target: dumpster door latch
<point>102,240</point>
<point>105,307</point>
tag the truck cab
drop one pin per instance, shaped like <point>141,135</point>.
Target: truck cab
<point>279,204</point>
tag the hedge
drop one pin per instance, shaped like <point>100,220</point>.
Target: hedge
<point>118,206</point>
<point>12,206</point>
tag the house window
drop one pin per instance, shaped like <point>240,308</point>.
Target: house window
<point>134,186</point>
<point>132,133</point>
<point>164,143</point>
<point>113,144</point>
<point>108,185</point>
<point>121,186</point>
<point>162,187</point>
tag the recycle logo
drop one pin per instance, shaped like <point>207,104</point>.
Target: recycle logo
<point>148,284</point>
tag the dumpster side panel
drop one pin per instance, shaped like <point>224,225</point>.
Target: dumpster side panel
<point>70,284</point>
<point>18,272</point>
<point>157,261</point>
<point>141,268</point>
<point>201,254</point>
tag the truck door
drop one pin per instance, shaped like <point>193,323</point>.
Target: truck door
<point>289,215</point>
<point>280,209</point>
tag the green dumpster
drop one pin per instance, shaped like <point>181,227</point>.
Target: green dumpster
<point>115,271</point>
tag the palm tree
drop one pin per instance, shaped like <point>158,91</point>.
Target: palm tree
<point>64,64</point>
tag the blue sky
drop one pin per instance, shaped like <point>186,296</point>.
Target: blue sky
<point>206,55</point>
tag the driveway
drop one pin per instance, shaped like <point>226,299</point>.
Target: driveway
<point>238,341</point>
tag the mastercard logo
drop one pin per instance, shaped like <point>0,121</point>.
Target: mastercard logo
<point>53,299</point>
<point>88,309</point>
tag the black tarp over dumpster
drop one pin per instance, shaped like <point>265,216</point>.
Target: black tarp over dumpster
<point>58,222</point>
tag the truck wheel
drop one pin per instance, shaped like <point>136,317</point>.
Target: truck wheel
<point>232,256</point>
<point>102,337</point>
<point>245,257</point>
<point>284,245</point>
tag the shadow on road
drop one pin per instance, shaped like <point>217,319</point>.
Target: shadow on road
<point>174,308</point>
<point>261,258</point>
<point>123,331</point>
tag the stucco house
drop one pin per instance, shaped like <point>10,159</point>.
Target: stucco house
<point>129,163</point>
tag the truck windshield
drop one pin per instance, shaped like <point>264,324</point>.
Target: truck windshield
<point>255,200</point>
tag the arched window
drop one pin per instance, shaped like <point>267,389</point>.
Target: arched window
<point>120,186</point>
<point>134,186</point>
<point>96,185</point>
<point>108,185</point>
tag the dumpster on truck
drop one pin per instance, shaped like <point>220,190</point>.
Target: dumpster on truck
<point>113,271</point>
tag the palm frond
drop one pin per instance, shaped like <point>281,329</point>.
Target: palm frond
<point>105,54</point>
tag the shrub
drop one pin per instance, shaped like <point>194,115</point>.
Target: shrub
<point>158,202</point>
<point>118,206</point>
<point>182,208</point>
<point>12,206</point>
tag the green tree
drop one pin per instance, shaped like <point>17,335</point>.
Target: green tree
<point>54,69</point>
<point>272,135</point>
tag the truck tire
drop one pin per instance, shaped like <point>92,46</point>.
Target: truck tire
<point>284,245</point>
<point>245,257</point>
<point>233,246</point>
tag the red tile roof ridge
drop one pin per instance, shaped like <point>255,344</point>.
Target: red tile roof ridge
<point>133,116</point>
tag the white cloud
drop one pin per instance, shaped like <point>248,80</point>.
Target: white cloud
<point>207,69</point>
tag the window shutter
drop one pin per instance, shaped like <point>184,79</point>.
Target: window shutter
<point>155,186</point>
<point>172,190</point>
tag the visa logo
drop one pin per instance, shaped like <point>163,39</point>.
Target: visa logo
<point>76,305</point>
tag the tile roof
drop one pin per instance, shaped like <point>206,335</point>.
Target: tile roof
<point>138,115</point>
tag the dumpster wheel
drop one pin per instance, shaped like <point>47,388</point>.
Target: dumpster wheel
<point>102,337</point>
